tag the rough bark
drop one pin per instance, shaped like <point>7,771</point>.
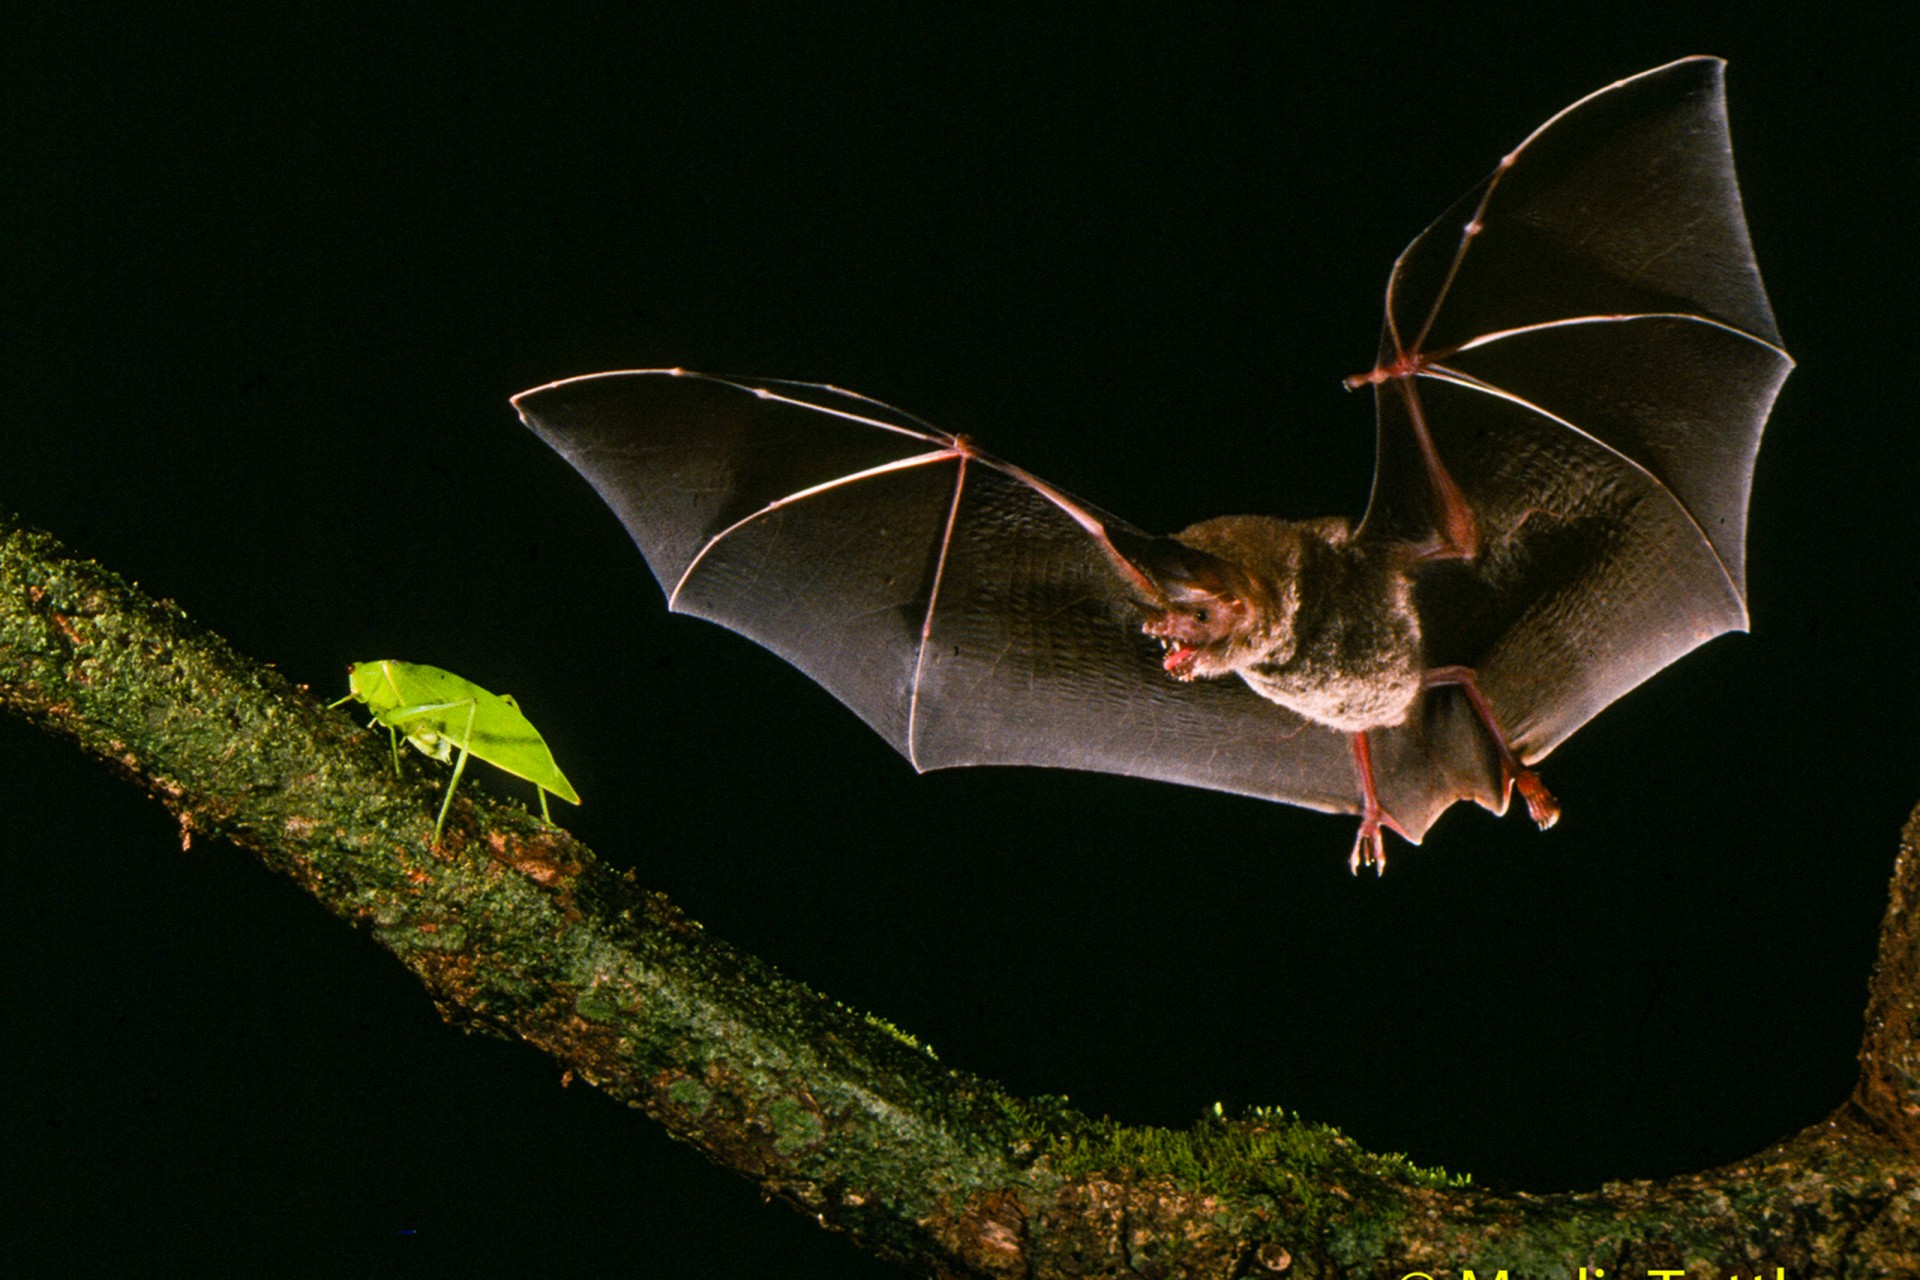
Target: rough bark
<point>516,927</point>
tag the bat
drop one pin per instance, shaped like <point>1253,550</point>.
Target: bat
<point>1577,362</point>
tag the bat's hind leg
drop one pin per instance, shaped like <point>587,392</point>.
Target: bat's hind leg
<point>1370,847</point>
<point>1541,805</point>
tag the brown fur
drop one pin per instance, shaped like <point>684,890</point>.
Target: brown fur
<point>1333,635</point>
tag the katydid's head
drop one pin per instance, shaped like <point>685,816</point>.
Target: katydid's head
<point>372,683</point>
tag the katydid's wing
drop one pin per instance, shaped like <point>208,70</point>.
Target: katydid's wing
<point>968,612</point>
<point>490,726</point>
<point>1587,340</point>
<point>507,740</point>
<point>497,733</point>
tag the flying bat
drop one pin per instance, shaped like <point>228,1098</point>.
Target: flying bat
<point>1577,362</point>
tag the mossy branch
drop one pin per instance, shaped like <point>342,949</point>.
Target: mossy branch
<point>518,928</point>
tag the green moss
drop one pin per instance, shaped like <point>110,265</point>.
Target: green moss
<point>437,937</point>
<point>796,1126</point>
<point>1314,1168</point>
<point>1043,1120</point>
<point>595,1005</point>
<point>689,1095</point>
<point>904,1037</point>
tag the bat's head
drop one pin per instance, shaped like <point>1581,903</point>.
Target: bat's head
<point>1209,614</point>
<point>1197,632</point>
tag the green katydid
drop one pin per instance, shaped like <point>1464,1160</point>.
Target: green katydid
<point>438,711</point>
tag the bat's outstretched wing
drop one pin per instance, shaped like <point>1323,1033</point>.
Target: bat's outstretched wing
<point>969,612</point>
<point>1585,341</point>
<point>1586,338</point>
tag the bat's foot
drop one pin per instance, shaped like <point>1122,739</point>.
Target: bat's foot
<point>1541,806</point>
<point>1370,845</point>
<point>1368,850</point>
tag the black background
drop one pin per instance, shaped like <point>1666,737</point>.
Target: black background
<point>269,282</point>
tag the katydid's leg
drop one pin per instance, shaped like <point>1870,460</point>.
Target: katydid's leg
<point>1541,805</point>
<point>454,781</point>
<point>438,745</point>
<point>400,715</point>
<point>393,738</point>
<point>459,767</point>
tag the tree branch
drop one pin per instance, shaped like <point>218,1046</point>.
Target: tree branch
<point>517,928</point>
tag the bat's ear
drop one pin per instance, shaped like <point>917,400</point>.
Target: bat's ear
<point>1180,575</point>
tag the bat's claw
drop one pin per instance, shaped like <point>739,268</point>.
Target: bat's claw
<point>1368,850</point>
<point>1541,806</point>
<point>1370,845</point>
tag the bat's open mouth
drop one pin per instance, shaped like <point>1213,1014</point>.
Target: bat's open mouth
<point>1179,660</point>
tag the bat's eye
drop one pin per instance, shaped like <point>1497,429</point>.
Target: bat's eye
<point>1199,615</point>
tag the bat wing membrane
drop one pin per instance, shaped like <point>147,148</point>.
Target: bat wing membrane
<point>1593,353</point>
<point>964,610</point>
